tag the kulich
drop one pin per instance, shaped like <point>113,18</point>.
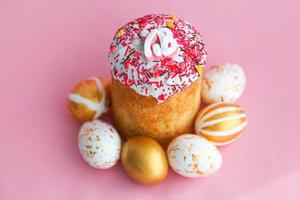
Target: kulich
<point>221,123</point>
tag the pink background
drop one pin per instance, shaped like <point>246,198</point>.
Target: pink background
<point>48,46</point>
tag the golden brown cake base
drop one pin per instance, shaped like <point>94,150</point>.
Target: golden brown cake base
<point>134,114</point>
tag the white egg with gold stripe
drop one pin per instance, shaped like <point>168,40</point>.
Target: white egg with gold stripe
<point>221,123</point>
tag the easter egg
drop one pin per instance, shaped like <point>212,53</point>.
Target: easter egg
<point>99,144</point>
<point>193,156</point>
<point>223,83</point>
<point>89,99</point>
<point>221,123</point>
<point>144,160</point>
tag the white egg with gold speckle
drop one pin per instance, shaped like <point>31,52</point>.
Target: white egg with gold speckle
<point>99,144</point>
<point>193,156</point>
<point>223,83</point>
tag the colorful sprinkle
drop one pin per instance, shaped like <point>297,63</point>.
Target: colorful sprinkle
<point>127,65</point>
<point>120,32</point>
<point>112,48</point>
<point>200,68</point>
<point>173,17</point>
<point>161,77</point>
<point>170,24</point>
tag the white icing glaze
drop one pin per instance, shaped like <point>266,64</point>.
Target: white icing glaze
<point>163,36</point>
<point>100,107</point>
<point>144,33</point>
<point>157,55</point>
<point>156,51</point>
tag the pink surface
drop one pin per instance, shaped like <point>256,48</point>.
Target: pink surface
<point>48,46</point>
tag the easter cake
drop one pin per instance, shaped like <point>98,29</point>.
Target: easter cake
<point>155,94</point>
<point>156,66</point>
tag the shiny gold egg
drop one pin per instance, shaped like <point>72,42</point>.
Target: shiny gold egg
<point>144,160</point>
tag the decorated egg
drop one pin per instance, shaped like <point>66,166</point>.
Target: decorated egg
<point>89,99</point>
<point>221,123</point>
<point>193,156</point>
<point>144,160</point>
<point>99,144</point>
<point>223,83</point>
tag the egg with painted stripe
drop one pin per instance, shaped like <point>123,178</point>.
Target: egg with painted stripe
<point>89,99</point>
<point>221,123</point>
<point>99,144</point>
<point>193,156</point>
<point>223,83</point>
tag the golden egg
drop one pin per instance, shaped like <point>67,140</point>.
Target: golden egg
<point>144,160</point>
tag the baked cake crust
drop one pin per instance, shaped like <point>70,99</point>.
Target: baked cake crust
<point>134,114</point>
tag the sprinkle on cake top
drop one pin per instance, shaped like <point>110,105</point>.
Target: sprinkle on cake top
<point>157,55</point>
